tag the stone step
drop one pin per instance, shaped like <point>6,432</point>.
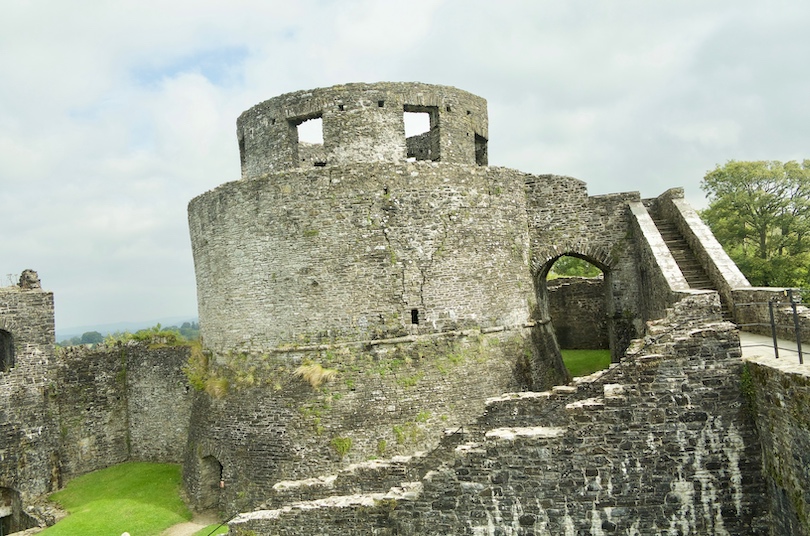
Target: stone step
<point>366,477</point>
<point>335,509</point>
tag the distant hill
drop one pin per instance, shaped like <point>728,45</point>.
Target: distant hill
<point>132,327</point>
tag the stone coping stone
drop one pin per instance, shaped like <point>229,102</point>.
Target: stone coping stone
<point>530,432</point>
<point>785,364</point>
<point>589,403</point>
<point>407,491</point>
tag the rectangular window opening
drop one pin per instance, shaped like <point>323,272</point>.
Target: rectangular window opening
<point>380,103</point>
<point>481,157</point>
<point>415,316</point>
<point>422,132</point>
<point>310,130</point>
<point>309,135</point>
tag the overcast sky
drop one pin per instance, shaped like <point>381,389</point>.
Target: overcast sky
<point>113,115</point>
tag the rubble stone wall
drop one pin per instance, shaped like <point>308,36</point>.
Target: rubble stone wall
<point>379,401</point>
<point>121,403</point>
<point>28,414</point>
<point>662,443</point>
<point>359,252</point>
<point>578,311</point>
<point>361,123</point>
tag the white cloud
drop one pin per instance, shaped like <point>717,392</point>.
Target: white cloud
<point>115,114</point>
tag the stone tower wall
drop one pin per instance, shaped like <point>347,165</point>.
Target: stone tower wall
<point>29,432</point>
<point>360,251</point>
<point>362,123</point>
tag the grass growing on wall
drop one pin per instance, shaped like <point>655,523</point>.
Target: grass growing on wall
<point>584,362</point>
<point>140,498</point>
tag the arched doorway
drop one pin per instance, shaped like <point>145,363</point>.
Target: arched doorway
<point>578,310</point>
<point>548,364</point>
<point>210,483</point>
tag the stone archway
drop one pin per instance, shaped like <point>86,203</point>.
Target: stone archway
<point>548,364</point>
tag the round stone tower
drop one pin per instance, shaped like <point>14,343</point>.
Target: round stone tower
<point>368,235</point>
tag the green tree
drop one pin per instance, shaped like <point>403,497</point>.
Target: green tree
<point>567,266</point>
<point>92,337</point>
<point>760,212</point>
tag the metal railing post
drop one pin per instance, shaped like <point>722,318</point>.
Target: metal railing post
<point>773,329</point>
<point>796,326</point>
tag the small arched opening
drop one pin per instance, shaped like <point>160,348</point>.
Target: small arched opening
<point>211,483</point>
<point>6,350</point>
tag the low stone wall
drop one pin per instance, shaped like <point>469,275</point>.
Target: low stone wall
<point>778,393</point>
<point>751,313</point>
<point>578,311</point>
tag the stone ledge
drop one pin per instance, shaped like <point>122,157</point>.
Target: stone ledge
<point>787,365</point>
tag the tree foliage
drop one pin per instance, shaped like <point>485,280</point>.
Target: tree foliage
<point>567,266</point>
<point>760,212</point>
<point>92,337</point>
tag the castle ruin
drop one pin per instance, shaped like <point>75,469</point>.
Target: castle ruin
<point>379,355</point>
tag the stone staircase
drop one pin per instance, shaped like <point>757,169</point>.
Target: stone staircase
<point>690,266</point>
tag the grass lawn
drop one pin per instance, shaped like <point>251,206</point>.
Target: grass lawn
<point>140,498</point>
<point>584,362</point>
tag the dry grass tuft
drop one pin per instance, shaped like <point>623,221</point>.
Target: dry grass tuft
<point>315,374</point>
<point>216,387</point>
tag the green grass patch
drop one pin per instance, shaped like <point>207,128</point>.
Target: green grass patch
<point>140,498</point>
<point>584,362</point>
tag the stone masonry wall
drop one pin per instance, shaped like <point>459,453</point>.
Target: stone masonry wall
<point>563,219</point>
<point>778,392</point>
<point>578,312</point>
<point>361,123</point>
<point>360,252</point>
<point>664,447</point>
<point>660,444</point>
<point>121,403</point>
<point>660,278</point>
<point>387,399</point>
